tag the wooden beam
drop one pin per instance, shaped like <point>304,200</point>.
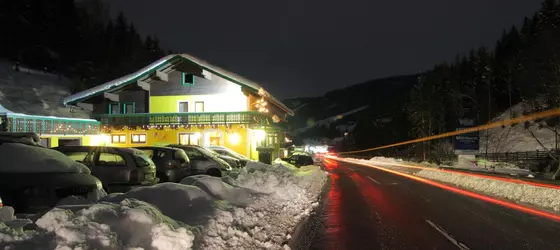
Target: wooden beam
<point>207,75</point>
<point>85,106</point>
<point>144,85</point>
<point>163,76</point>
<point>111,96</point>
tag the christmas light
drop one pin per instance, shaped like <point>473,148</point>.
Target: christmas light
<point>50,125</point>
<point>116,128</point>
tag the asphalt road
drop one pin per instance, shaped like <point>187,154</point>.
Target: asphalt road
<point>366,208</point>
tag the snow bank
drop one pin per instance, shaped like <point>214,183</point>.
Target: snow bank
<point>22,158</point>
<point>270,219</point>
<point>538,196</point>
<point>128,224</point>
<point>259,209</point>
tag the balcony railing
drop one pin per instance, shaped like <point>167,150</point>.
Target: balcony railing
<point>141,119</point>
<point>47,124</point>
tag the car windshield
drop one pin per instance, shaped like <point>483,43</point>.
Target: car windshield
<point>229,152</point>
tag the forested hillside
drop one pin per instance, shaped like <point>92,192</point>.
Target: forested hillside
<point>74,39</point>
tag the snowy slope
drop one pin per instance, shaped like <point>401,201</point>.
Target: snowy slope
<point>33,92</point>
<point>515,138</point>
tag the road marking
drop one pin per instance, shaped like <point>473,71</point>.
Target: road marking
<point>446,235</point>
<point>374,180</point>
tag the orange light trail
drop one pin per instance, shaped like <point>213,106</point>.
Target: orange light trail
<point>466,193</point>
<point>548,113</point>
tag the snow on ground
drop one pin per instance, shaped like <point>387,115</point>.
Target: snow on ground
<point>515,138</point>
<point>257,209</point>
<point>34,93</point>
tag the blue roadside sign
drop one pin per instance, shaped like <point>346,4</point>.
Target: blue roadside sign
<point>468,141</point>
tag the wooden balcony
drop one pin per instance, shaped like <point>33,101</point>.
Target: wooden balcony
<point>204,118</point>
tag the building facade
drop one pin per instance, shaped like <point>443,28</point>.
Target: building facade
<point>181,99</point>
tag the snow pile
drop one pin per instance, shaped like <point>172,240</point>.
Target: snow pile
<point>128,224</point>
<point>548,198</point>
<point>258,209</point>
<point>15,158</point>
<point>270,219</point>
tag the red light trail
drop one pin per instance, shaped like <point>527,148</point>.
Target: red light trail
<point>465,192</point>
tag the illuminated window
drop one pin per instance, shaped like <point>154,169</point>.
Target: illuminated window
<point>118,139</point>
<point>189,138</point>
<point>138,138</point>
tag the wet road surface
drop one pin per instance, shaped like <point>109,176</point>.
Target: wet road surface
<point>366,208</point>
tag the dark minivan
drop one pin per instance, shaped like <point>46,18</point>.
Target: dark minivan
<point>117,168</point>
<point>172,164</point>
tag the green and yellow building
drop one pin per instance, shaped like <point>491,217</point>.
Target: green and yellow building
<point>182,99</point>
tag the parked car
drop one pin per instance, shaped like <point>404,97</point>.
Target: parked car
<point>204,162</point>
<point>172,164</point>
<point>299,159</point>
<point>230,153</point>
<point>31,186</point>
<point>233,162</point>
<point>119,169</point>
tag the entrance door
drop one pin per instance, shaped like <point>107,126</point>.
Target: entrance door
<point>69,142</point>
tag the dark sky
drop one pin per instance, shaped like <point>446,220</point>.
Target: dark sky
<point>307,47</point>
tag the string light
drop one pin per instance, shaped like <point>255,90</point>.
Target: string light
<point>60,126</point>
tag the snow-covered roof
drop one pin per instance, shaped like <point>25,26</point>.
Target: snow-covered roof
<point>133,77</point>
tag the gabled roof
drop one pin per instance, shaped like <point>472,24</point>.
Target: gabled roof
<point>133,77</point>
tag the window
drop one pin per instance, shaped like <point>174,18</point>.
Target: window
<point>193,154</point>
<point>189,138</point>
<point>77,156</point>
<point>187,79</point>
<point>109,159</point>
<point>122,108</point>
<point>138,138</point>
<point>118,139</point>
<point>148,152</point>
<point>183,107</point>
<point>114,108</point>
<point>129,108</point>
<point>199,107</point>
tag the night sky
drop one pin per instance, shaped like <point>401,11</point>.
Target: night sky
<point>300,48</point>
